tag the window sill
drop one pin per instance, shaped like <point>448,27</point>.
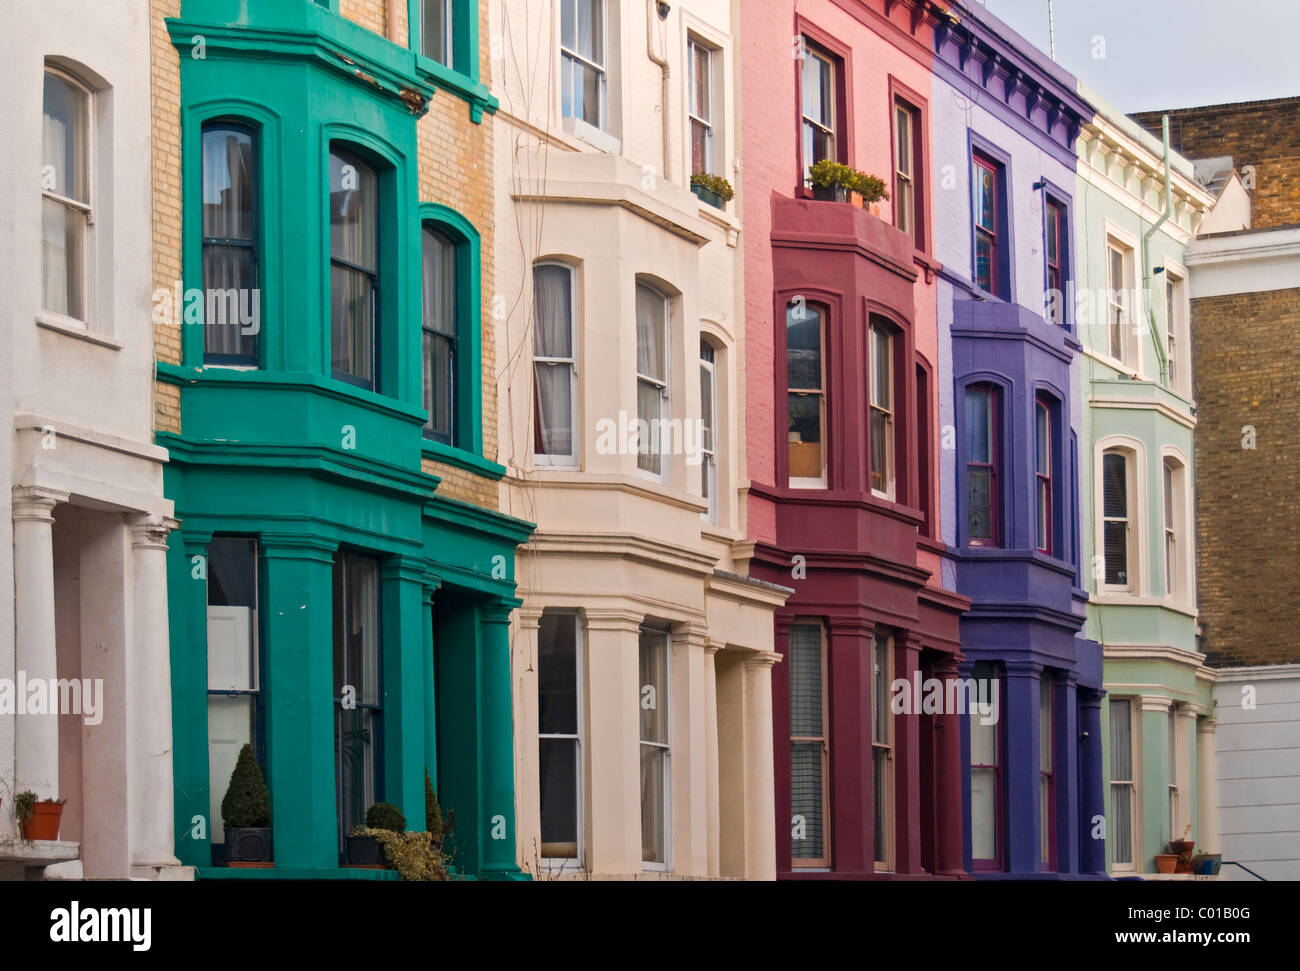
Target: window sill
<point>468,89</point>
<point>462,459</point>
<point>72,327</point>
<point>591,135</point>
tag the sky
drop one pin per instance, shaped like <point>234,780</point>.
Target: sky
<point>1147,54</point>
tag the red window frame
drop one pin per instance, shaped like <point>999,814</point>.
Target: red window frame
<point>994,412</point>
<point>1044,475</point>
<point>981,164</point>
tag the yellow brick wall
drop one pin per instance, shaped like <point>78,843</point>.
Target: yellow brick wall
<point>166,84</point>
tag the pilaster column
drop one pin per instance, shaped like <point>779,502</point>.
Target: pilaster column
<point>907,758</point>
<point>1207,786</point>
<point>1188,783</point>
<point>613,768</point>
<point>298,620</point>
<point>760,806</point>
<point>402,640</point>
<point>949,820</point>
<point>430,591</point>
<point>851,816</point>
<point>1021,742</point>
<point>36,737</point>
<point>1067,751</point>
<point>148,694</point>
<point>711,794</point>
<point>525,675</point>
<point>1154,784</point>
<point>187,619</point>
<point>496,752</point>
<point>1092,803</point>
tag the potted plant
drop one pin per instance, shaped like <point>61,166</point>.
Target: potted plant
<point>39,819</point>
<point>834,181</point>
<point>363,845</point>
<point>1182,848</point>
<point>246,813</point>
<point>1166,862</point>
<point>713,189</point>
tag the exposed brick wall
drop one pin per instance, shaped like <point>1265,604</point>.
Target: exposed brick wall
<point>166,84</point>
<point>1264,134</point>
<point>370,14</point>
<point>1248,506</point>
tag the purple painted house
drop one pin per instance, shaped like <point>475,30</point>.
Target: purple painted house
<point>1004,124</point>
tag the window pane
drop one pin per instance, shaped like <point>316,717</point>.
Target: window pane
<point>903,139</point>
<point>437,30</point>
<point>983,811</point>
<point>1169,496</point>
<point>654,762</point>
<point>559,774</point>
<point>806,788</point>
<point>439,256</point>
<point>1045,723</point>
<point>983,261</point>
<point>650,333</point>
<point>881,646</point>
<point>650,409</point>
<point>553,408</point>
<point>706,408</point>
<point>351,322</point>
<point>1116,552</point>
<point>881,368</point>
<point>439,384</point>
<point>231,304</point>
<point>880,808</point>
<point>806,699</point>
<point>880,471</point>
<point>803,347</point>
<point>557,674</point>
<point>229,200</point>
<point>354,211</point>
<point>1042,439</point>
<point>1053,234</point>
<point>653,666</point>
<point>985,198</point>
<point>552,311</point>
<point>1121,740</point>
<point>63,240</point>
<point>1115,484</point>
<point>979,425</point>
<point>67,108</point>
<point>701,96</point>
<point>979,502</point>
<point>232,572</point>
<point>805,435</point>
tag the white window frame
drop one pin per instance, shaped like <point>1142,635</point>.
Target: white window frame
<point>573,123</point>
<point>822,862</point>
<point>886,746</point>
<point>1138,542</point>
<point>572,460</point>
<point>905,210</point>
<point>809,482</point>
<point>891,478</point>
<point>559,863</point>
<point>1133,784</point>
<point>1182,525</point>
<point>1133,324</point>
<point>1175,787</point>
<point>667,747</point>
<point>709,456</point>
<point>87,209</point>
<point>810,49</point>
<point>664,386</point>
<point>1177,331</point>
<point>696,48</point>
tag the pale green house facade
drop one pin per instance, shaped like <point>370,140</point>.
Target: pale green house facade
<point>1131,299</point>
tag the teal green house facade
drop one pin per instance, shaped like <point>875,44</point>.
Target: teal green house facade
<point>327,605</point>
<point>1136,489</point>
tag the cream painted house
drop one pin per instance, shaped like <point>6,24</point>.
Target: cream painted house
<point>83,597</point>
<point>642,654</point>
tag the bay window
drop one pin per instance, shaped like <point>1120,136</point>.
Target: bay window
<point>805,395</point>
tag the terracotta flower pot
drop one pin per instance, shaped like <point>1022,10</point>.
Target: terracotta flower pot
<point>44,821</point>
<point>1166,862</point>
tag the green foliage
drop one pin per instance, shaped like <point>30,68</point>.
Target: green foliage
<point>248,803</point>
<point>24,807</point>
<point>386,816</point>
<point>415,856</point>
<point>827,173</point>
<point>714,183</point>
<point>432,811</point>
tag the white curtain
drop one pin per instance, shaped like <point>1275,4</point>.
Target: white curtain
<point>63,229</point>
<point>553,338</point>
<point>650,318</point>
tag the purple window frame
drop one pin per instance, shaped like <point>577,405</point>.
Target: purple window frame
<point>995,519</point>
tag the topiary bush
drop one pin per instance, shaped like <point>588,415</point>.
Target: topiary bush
<point>384,815</point>
<point>247,804</point>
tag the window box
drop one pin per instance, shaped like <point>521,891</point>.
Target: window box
<point>708,195</point>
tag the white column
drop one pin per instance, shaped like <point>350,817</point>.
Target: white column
<point>149,703</point>
<point>713,811</point>
<point>36,737</point>
<point>1207,786</point>
<point>760,784</point>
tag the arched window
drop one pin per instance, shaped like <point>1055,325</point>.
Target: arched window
<point>1044,474</point>
<point>232,295</point>
<point>354,269</point>
<point>555,342</point>
<point>1118,515</point>
<point>441,332</point>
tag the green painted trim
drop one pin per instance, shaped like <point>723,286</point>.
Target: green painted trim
<point>469,329</point>
<point>294,873</point>
<point>454,512</point>
<point>463,77</point>
<point>463,460</point>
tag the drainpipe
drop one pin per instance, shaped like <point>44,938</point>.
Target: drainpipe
<point>1146,263</point>
<point>651,15</point>
<point>394,11</point>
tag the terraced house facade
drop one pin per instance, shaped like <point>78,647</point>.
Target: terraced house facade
<point>341,583</point>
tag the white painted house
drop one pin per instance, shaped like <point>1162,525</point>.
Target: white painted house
<point>84,523</point>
